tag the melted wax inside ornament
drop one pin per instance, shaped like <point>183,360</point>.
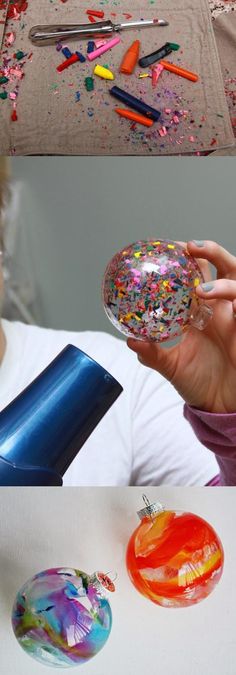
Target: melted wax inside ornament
<point>148,288</point>
<point>174,559</point>
<point>61,617</point>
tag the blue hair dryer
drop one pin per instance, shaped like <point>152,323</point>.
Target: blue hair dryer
<point>43,429</point>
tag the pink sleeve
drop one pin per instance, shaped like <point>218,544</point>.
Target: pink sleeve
<point>218,433</point>
<point>214,482</point>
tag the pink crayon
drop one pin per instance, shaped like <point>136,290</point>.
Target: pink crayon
<point>100,43</point>
<point>156,72</point>
<point>103,49</point>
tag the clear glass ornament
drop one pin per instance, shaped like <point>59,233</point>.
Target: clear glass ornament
<point>61,617</point>
<point>148,290</point>
<point>174,559</point>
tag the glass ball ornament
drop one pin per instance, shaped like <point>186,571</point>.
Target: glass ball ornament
<point>174,559</point>
<point>148,291</point>
<point>61,617</point>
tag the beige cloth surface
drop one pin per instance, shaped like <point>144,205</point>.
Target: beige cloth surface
<point>225,34</point>
<point>51,121</point>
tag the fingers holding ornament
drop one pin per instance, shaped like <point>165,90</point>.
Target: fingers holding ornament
<point>220,289</point>
<point>214,253</point>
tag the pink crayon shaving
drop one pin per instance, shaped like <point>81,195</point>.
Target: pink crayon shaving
<point>97,52</point>
<point>100,43</point>
<point>156,72</point>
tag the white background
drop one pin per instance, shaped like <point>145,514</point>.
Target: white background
<point>89,529</point>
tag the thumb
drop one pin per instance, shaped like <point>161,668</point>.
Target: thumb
<point>154,356</point>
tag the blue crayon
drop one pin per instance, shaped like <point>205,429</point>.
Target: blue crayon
<point>90,47</point>
<point>81,57</point>
<point>135,103</point>
<point>67,53</point>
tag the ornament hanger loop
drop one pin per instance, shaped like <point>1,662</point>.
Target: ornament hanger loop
<point>146,500</point>
<point>150,510</point>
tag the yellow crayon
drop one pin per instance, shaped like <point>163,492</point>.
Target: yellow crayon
<point>105,73</point>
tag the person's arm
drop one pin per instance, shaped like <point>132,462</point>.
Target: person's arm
<point>202,366</point>
<point>218,434</point>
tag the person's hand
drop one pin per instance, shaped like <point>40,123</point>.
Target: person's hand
<point>202,367</point>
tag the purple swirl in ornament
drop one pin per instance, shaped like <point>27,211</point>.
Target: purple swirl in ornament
<point>61,617</point>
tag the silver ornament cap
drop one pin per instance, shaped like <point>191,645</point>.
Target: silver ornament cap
<point>150,509</point>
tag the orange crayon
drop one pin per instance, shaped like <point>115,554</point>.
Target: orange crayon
<point>130,58</point>
<point>135,117</point>
<point>179,71</point>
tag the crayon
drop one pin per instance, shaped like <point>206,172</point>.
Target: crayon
<point>90,47</point>
<point>100,42</point>
<point>156,72</point>
<point>105,73</point>
<point>68,63</point>
<point>130,58</point>
<point>66,52</point>
<point>179,71</point>
<point>81,57</point>
<point>135,117</point>
<point>169,47</point>
<point>101,50</point>
<point>99,14</point>
<point>89,83</point>
<point>135,103</point>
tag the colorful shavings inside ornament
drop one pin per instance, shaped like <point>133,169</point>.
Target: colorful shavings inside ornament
<point>148,289</point>
<point>62,617</point>
<point>175,559</point>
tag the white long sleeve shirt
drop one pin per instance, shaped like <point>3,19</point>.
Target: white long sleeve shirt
<point>142,440</point>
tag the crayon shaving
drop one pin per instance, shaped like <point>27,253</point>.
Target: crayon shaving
<point>10,39</point>
<point>11,73</point>
<point>142,76</point>
<point>16,8</point>
<point>156,72</point>
<point>12,65</point>
<point>162,132</point>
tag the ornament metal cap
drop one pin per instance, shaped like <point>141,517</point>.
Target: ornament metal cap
<point>102,582</point>
<point>150,509</point>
